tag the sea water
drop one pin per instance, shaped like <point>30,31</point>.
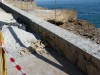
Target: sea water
<point>87,9</point>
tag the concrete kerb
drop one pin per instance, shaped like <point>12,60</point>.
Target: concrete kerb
<point>78,50</point>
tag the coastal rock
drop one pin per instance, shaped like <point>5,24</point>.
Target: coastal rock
<point>96,35</point>
<point>57,15</point>
<point>85,24</point>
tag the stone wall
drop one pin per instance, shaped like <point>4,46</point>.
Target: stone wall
<point>81,52</point>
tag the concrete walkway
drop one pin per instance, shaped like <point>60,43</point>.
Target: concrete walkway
<point>36,64</point>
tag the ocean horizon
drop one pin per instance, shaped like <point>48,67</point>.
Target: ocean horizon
<point>87,10</point>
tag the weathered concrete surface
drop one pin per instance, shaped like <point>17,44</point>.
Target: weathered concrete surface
<point>81,52</point>
<point>34,63</point>
<point>6,17</point>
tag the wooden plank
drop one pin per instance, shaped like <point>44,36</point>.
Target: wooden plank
<point>4,63</point>
<point>3,68</point>
<point>1,39</point>
<point>1,62</point>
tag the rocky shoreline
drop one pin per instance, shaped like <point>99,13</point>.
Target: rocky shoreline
<point>66,19</point>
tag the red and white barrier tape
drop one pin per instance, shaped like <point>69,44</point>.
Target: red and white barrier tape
<point>14,63</point>
<point>11,58</point>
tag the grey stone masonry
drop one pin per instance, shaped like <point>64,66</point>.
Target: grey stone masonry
<point>80,51</point>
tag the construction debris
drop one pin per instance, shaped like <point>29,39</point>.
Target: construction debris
<point>36,47</point>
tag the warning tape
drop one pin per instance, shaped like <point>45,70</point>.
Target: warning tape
<point>18,67</point>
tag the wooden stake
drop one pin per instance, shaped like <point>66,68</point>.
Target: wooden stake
<point>3,67</point>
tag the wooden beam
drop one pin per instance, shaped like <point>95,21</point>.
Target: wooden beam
<point>4,63</point>
<point>1,62</point>
<point>3,67</point>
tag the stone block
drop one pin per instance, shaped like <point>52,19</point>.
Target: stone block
<point>73,48</point>
<point>81,62</point>
<point>43,33</point>
<point>34,27</point>
<point>96,62</point>
<point>40,31</point>
<point>62,45</point>
<point>87,56</point>
<point>68,53</point>
<point>91,69</point>
<point>80,51</point>
<point>52,37</point>
<point>56,43</point>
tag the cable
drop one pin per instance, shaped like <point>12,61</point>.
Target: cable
<point>55,11</point>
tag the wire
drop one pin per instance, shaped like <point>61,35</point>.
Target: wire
<point>55,11</point>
